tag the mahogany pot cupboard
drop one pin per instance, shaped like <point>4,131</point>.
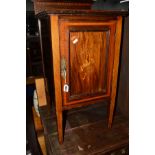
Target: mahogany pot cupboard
<point>83,48</point>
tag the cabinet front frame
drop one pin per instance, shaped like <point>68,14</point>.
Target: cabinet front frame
<point>86,24</point>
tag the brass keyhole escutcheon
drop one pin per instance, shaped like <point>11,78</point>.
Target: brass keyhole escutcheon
<point>63,68</point>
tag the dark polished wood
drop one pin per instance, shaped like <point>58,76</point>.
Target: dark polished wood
<point>48,5</point>
<point>80,7</point>
<point>85,48</point>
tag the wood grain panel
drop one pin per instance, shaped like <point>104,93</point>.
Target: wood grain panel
<point>88,53</point>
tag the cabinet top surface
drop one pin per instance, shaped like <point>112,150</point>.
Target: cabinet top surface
<point>78,7</point>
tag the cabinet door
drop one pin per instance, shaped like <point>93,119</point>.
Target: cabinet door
<point>86,49</point>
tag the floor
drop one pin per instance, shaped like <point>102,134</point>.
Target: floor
<point>86,132</point>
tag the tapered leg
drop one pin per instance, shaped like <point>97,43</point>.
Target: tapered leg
<point>115,69</point>
<point>57,76</point>
<point>60,126</point>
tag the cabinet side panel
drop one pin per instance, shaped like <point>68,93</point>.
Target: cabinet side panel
<point>123,85</point>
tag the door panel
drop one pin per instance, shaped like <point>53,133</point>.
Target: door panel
<point>88,61</point>
<point>87,48</point>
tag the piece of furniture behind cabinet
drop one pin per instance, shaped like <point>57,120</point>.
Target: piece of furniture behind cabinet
<point>33,53</point>
<point>85,47</point>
